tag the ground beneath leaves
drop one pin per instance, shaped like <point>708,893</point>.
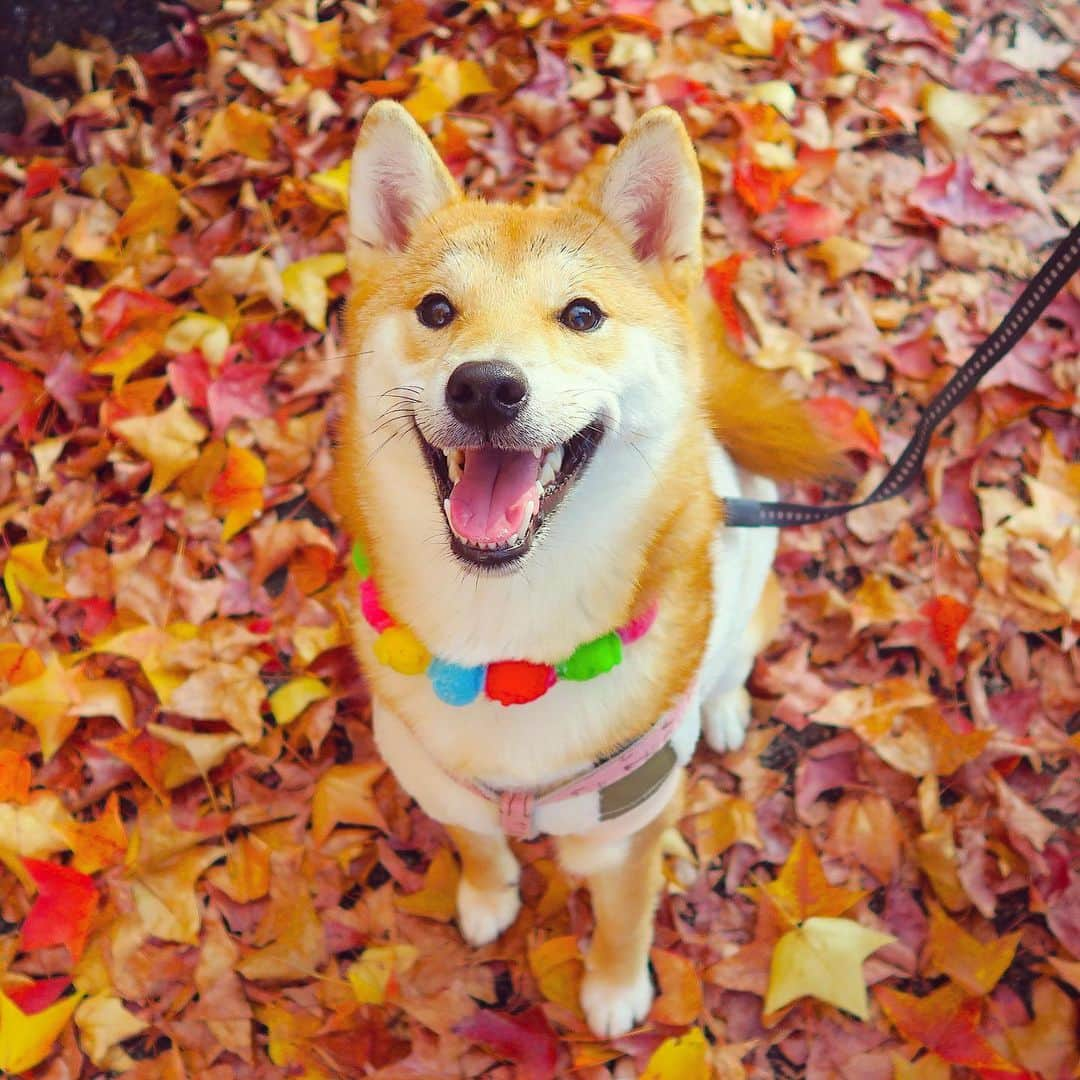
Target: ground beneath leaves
<point>204,869</point>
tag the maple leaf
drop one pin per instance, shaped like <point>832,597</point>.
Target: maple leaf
<point>46,702</point>
<point>219,691</point>
<point>525,1038</point>
<point>373,977</point>
<point>15,776</point>
<point>801,890</point>
<point>238,129</point>
<point>99,843</point>
<point>290,700</point>
<point>27,1040</point>
<point>25,569</point>
<point>946,1022</point>
<point>303,285</point>
<point>238,490</point>
<point>557,966</point>
<point>63,909</point>
<point>344,796</point>
<point>851,427</point>
<point>22,399</point>
<point>246,873</point>
<point>822,958</point>
<point>680,1000</point>
<point>947,616</point>
<point>222,1001</point>
<point>168,440</point>
<point>103,1022</point>
<point>35,830</point>
<point>975,965</point>
<point>683,1057</point>
<point>442,83</point>
<point>154,206</point>
<point>437,898</point>
<point>165,899</point>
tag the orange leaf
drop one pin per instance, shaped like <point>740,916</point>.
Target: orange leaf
<point>344,796</point>
<point>945,1022</point>
<point>63,910</point>
<point>437,899</point>
<point>801,889</point>
<point>145,755</point>
<point>14,777</point>
<point>947,616</point>
<point>239,489</point>
<point>732,822</point>
<point>99,843</point>
<point>238,129</point>
<point>976,965</point>
<point>681,1000</point>
<point>851,427</point>
<point>154,206</point>
<point>19,664</point>
<point>557,966</point>
<point>246,873</point>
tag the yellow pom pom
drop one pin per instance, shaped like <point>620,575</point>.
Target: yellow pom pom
<point>399,648</point>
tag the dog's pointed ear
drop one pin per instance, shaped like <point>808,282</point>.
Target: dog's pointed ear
<point>652,191</point>
<point>396,179</point>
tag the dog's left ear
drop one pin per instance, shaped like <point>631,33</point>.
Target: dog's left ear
<point>652,190</point>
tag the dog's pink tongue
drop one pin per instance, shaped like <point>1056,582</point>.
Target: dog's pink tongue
<point>488,503</point>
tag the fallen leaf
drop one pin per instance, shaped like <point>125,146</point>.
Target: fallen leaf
<point>25,569</point>
<point>238,490</point>
<point>168,440</point>
<point>680,1000</point>
<point>373,977</point>
<point>344,796</point>
<point>103,1022</point>
<point>63,909</point>
<point>437,898</point>
<point>975,965</point>
<point>682,1057</point>
<point>25,1041</point>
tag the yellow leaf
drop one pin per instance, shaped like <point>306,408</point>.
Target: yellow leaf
<point>683,1057</point>
<point>238,490</point>
<point>954,113</point>
<point>202,752</point>
<point>27,1040</point>
<point>197,330</point>
<point>103,1022</point>
<point>438,897</point>
<point>36,830</point>
<point>975,965</point>
<point>99,843</point>
<point>344,796</point>
<point>443,83</point>
<point>238,129</point>
<point>840,255</point>
<point>373,976</point>
<point>165,897</point>
<point>46,703</point>
<point>335,181</point>
<point>123,358</point>
<point>777,93</point>
<point>732,822</point>
<point>823,959</point>
<point>304,285</point>
<point>169,440</point>
<point>754,25</point>
<point>290,700</point>
<point>246,873</point>
<point>154,206</point>
<point>230,692</point>
<point>103,697</point>
<point>557,966</point>
<point>25,569</point>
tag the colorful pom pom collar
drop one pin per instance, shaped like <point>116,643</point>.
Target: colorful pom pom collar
<point>510,682</point>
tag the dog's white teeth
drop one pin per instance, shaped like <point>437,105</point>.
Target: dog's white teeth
<point>446,509</point>
<point>537,452</point>
<point>547,475</point>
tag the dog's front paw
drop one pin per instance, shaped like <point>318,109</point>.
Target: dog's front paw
<point>611,1007</point>
<point>483,914</point>
<point>725,718</point>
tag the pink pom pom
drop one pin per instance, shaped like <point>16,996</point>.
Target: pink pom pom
<point>373,611</point>
<point>638,627</point>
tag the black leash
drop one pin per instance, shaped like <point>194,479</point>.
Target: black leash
<point>1043,287</point>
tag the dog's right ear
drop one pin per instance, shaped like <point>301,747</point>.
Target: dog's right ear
<point>396,180</point>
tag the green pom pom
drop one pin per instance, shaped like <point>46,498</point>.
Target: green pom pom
<point>592,659</point>
<point>360,560</point>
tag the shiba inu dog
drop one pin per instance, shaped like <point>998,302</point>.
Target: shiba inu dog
<point>536,440</point>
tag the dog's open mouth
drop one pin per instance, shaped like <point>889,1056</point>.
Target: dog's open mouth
<point>497,500</point>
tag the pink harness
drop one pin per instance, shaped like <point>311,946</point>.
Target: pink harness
<point>517,808</point>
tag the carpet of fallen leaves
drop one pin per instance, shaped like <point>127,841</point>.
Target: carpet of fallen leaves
<point>204,869</point>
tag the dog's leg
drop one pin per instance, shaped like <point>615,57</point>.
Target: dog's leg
<point>624,879</point>
<point>725,704</point>
<point>487,899</point>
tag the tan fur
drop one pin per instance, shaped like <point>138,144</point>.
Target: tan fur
<point>487,862</point>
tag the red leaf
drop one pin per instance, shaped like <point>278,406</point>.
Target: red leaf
<point>849,425</point>
<point>63,910</point>
<point>271,342</point>
<point>947,616</point>
<point>760,188</point>
<point>808,221</point>
<point>946,1022</point>
<point>525,1038</point>
<point>239,392</point>
<point>721,278</point>
<point>119,308</point>
<point>22,398</point>
<point>189,377</point>
<point>951,196</point>
<point>42,174</point>
<point>35,996</point>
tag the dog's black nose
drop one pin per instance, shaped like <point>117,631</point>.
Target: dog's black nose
<point>487,393</point>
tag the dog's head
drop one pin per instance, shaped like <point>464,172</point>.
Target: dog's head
<point>510,363</point>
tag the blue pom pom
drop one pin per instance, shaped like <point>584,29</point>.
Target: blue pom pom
<point>455,685</point>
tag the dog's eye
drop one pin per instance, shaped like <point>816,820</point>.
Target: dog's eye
<point>581,315</point>
<point>435,311</point>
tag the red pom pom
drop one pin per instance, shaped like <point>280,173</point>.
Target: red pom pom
<point>516,682</point>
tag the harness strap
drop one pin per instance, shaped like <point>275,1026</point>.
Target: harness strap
<point>517,808</point>
<point>1052,277</point>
